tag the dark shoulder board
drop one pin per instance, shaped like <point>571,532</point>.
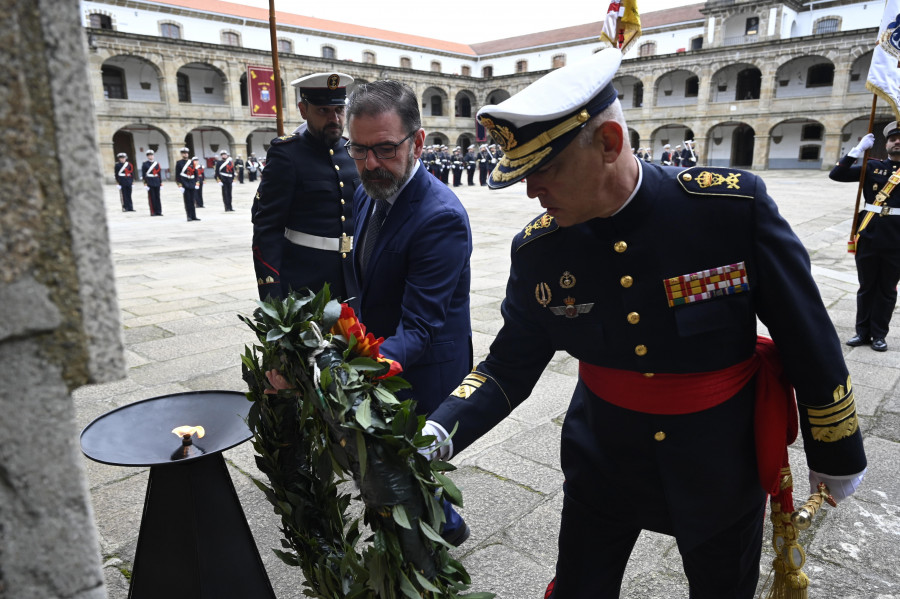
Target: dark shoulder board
<point>539,227</point>
<point>714,181</point>
<point>285,139</point>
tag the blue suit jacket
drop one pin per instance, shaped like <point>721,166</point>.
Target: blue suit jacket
<point>415,290</point>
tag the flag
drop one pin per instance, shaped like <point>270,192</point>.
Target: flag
<point>884,73</point>
<point>622,26</point>
<point>261,91</point>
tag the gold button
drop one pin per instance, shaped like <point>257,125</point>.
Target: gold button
<point>641,350</point>
<point>660,436</point>
<point>686,176</point>
<point>342,183</point>
<point>343,219</point>
<point>342,201</point>
<point>634,317</point>
<point>337,168</point>
<point>343,254</point>
<point>620,246</point>
<point>648,375</point>
<point>626,281</point>
<point>331,152</point>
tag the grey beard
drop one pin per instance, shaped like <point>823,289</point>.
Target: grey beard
<point>382,191</point>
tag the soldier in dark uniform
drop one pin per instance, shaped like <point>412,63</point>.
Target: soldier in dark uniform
<point>225,177</point>
<point>125,178</point>
<point>456,161</point>
<point>471,162</point>
<point>446,160</point>
<point>688,157</point>
<point>878,244</point>
<point>186,179</point>
<point>252,166</point>
<point>151,173</point>
<point>665,158</point>
<point>609,273</point>
<point>302,215</point>
<point>200,174</point>
<point>676,156</point>
<point>239,168</point>
<point>484,164</point>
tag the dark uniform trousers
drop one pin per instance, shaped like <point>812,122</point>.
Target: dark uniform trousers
<point>877,250</point>
<point>153,183</point>
<point>601,291</point>
<point>187,178</point>
<point>225,176</point>
<point>305,198</point>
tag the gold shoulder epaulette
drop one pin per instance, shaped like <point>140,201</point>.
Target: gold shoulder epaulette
<point>540,226</point>
<point>285,138</point>
<point>714,181</point>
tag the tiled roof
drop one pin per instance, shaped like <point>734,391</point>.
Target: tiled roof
<point>285,18</point>
<point>657,18</point>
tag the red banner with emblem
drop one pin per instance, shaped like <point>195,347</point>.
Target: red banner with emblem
<point>261,91</point>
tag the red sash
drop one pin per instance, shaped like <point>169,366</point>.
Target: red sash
<point>775,419</point>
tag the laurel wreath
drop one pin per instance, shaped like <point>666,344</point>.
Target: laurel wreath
<point>339,421</point>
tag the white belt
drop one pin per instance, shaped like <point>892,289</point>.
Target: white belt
<point>226,174</point>
<point>882,210</point>
<point>150,175</point>
<point>331,244</point>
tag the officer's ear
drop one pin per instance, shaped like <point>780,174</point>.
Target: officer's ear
<point>609,139</point>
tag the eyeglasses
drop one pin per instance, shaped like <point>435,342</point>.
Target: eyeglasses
<point>382,151</point>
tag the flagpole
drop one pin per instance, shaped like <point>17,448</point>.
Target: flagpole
<point>862,179</point>
<point>279,101</point>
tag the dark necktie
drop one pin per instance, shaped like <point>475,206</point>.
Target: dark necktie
<point>372,230</point>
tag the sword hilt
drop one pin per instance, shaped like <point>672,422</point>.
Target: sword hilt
<point>802,518</point>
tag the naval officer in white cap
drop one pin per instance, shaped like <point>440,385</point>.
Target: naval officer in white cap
<point>303,211</point>
<point>653,278</point>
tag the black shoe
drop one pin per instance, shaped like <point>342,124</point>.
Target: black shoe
<point>879,344</point>
<point>457,536</point>
<point>130,210</point>
<point>857,340</point>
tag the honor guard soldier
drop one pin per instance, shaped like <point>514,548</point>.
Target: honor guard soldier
<point>200,174</point>
<point>665,158</point>
<point>252,166</point>
<point>688,157</point>
<point>878,240</point>
<point>676,156</point>
<point>225,177</point>
<point>471,162</point>
<point>303,212</point>
<point>484,164</point>
<point>446,164</point>
<point>187,182</point>
<point>125,178</point>
<point>239,167</point>
<point>151,173</point>
<point>458,165</point>
<point>653,278</point>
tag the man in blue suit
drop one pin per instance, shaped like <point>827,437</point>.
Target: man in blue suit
<point>412,251</point>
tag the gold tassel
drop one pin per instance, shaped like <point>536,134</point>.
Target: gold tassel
<point>789,580</point>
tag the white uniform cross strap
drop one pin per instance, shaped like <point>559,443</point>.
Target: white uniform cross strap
<point>150,168</point>
<point>122,172</point>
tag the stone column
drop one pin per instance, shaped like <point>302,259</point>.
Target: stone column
<point>831,150</point>
<point>60,328</point>
<point>760,152</point>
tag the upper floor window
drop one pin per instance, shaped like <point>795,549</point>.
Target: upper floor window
<point>697,43</point>
<point>820,75</point>
<point>521,66</point>
<point>827,25</point>
<point>231,38</point>
<point>285,46</point>
<point>558,61</point>
<point>647,49</point>
<point>466,71</point>
<point>487,72</point>
<point>692,87</point>
<point>113,83</point>
<point>752,26</point>
<point>171,30</point>
<point>368,57</point>
<point>812,131</point>
<point>99,21</point>
<point>328,52</point>
<point>184,87</point>
<point>405,62</point>
<point>435,66</point>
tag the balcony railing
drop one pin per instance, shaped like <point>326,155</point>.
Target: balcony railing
<point>738,40</point>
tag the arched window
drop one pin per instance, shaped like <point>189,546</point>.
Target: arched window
<point>231,38</point>
<point>827,25</point>
<point>328,52</point>
<point>435,66</point>
<point>466,71</point>
<point>285,46</point>
<point>405,62</point>
<point>647,49</point>
<point>100,21</point>
<point>487,72</point>
<point>113,83</point>
<point>558,61</point>
<point>368,57</point>
<point>820,75</point>
<point>170,30</point>
<point>521,66</point>
<point>184,87</point>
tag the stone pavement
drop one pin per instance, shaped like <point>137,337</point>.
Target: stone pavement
<point>181,286</point>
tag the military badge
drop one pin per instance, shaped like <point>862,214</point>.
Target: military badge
<point>570,309</point>
<point>708,179</point>
<point>333,81</point>
<point>707,284</point>
<point>542,294</point>
<point>567,280</point>
<point>542,223</point>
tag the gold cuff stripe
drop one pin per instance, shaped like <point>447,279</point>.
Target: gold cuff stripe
<point>526,164</point>
<point>834,408</point>
<point>831,434</point>
<point>547,136</point>
<point>836,417</point>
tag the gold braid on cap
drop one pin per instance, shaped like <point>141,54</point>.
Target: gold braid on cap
<point>519,166</point>
<point>547,136</point>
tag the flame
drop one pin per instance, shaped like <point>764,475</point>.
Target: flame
<point>181,431</point>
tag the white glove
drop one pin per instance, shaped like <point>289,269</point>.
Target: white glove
<point>119,186</point>
<point>445,451</point>
<point>220,184</point>
<point>182,189</point>
<point>864,144</point>
<point>840,487</point>
<point>147,188</point>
